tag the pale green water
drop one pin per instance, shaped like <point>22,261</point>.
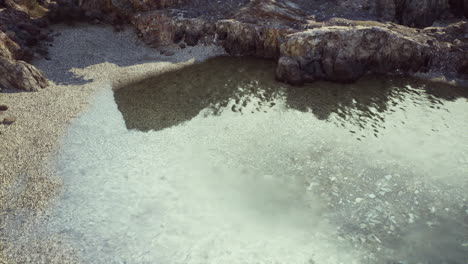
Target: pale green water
<point>219,163</point>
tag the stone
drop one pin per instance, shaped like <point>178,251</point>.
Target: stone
<point>344,54</point>
<point>3,107</point>
<point>8,120</point>
<point>20,75</point>
<point>289,71</point>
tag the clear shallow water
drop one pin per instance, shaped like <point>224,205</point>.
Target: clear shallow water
<point>218,163</point>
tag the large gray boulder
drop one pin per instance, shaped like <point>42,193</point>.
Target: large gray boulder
<point>344,54</point>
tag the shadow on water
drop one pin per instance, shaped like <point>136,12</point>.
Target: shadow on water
<point>232,82</point>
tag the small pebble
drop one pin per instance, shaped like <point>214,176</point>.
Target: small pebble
<point>3,107</point>
<point>182,45</point>
<point>9,120</point>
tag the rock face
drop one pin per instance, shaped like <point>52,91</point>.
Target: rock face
<point>345,54</point>
<point>20,75</point>
<point>19,36</point>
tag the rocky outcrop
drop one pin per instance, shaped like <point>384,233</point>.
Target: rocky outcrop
<point>240,36</point>
<point>20,75</point>
<point>19,38</point>
<point>344,54</point>
<point>14,73</point>
<point>307,49</point>
<point>32,8</point>
<point>452,40</point>
<point>339,50</point>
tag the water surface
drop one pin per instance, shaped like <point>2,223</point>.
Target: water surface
<point>219,163</point>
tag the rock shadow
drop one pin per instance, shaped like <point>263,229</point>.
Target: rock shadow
<point>247,85</point>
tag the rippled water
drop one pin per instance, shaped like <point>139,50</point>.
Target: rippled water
<point>219,163</point>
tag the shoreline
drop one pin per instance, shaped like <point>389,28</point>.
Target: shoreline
<point>77,70</point>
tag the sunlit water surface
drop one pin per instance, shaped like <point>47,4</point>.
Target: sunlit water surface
<point>219,163</point>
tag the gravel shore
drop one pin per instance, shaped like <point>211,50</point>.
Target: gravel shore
<point>83,59</point>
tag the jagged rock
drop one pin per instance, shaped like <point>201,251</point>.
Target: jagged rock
<point>248,39</point>
<point>20,75</point>
<point>21,29</point>
<point>32,8</point>
<point>8,48</point>
<point>261,38</point>
<point>345,54</point>
<point>156,27</point>
<point>26,32</point>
